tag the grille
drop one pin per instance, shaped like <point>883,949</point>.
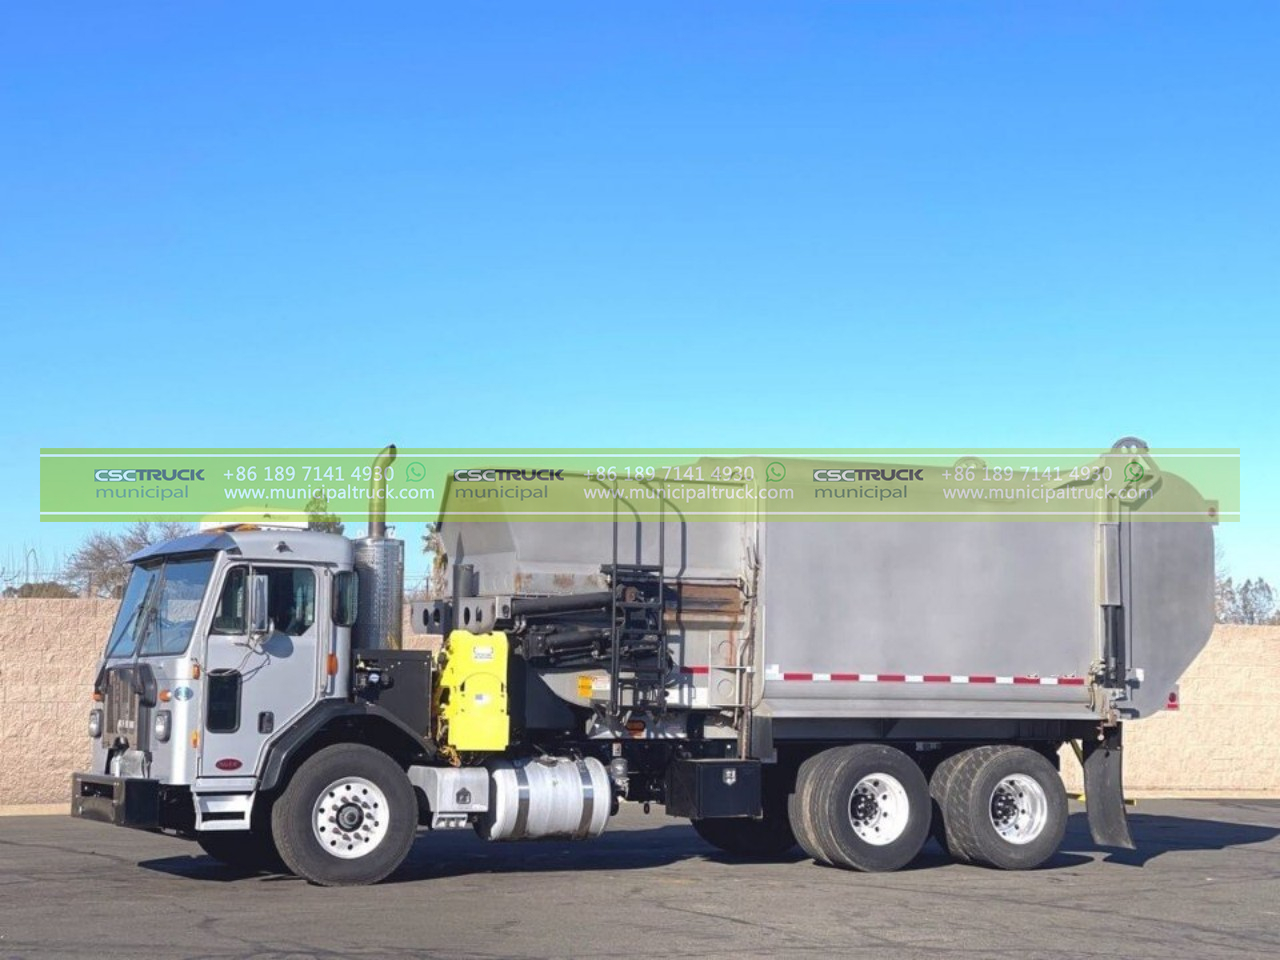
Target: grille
<point>121,709</point>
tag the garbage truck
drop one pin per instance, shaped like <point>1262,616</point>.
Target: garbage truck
<point>850,688</point>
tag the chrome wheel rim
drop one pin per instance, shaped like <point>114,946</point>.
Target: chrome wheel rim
<point>879,809</point>
<point>1019,808</point>
<point>349,818</point>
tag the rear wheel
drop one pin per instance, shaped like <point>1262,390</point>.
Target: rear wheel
<point>939,787</point>
<point>1007,807</point>
<point>800,807</point>
<point>348,817</point>
<point>870,808</point>
<point>767,838</point>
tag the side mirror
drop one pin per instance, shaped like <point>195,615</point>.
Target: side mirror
<point>259,601</point>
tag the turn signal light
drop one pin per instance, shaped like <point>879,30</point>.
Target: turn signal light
<point>97,696</point>
<point>331,664</point>
<point>165,696</point>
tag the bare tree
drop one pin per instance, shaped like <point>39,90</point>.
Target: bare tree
<point>1253,601</point>
<point>40,590</point>
<point>438,586</point>
<point>319,518</point>
<point>98,568</point>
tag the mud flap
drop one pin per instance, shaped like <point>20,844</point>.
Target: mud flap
<point>1104,791</point>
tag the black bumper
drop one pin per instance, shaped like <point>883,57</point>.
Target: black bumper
<point>122,801</point>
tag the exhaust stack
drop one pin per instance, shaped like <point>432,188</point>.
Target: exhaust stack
<point>379,563</point>
<point>378,492</point>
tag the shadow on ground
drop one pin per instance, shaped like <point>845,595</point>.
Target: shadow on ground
<point>444,855</point>
<point>1156,835</point>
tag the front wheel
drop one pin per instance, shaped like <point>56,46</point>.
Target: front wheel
<point>348,817</point>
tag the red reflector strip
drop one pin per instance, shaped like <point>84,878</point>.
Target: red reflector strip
<point>773,673</point>
<point>696,671</point>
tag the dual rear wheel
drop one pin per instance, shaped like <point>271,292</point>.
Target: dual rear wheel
<point>1002,806</point>
<point>869,807</point>
<point>864,807</point>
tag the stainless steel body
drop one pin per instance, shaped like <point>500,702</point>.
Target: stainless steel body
<point>813,620</point>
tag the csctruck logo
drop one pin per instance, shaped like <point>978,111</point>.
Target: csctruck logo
<point>185,475</point>
<point>852,475</point>
<point>497,476</point>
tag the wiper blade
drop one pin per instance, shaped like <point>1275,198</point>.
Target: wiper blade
<point>150,603</point>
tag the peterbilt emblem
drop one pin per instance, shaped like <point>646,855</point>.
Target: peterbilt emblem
<point>463,797</point>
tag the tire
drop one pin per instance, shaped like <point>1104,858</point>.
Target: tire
<point>768,838</point>
<point>949,830</point>
<point>938,782</point>
<point>1006,807</point>
<point>249,850</point>
<point>358,800</point>
<point>800,807</point>
<point>872,809</point>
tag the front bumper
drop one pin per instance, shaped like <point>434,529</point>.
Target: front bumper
<point>123,801</point>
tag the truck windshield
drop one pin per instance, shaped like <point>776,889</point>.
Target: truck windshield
<point>158,612</point>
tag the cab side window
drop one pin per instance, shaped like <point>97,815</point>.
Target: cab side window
<point>229,616</point>
<point>292,598</point>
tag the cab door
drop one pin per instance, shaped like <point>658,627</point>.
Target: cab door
<point>258,681</point>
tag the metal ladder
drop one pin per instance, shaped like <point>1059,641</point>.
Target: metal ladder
<point>637,621</point>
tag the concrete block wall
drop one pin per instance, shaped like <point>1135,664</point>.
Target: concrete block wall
<point>1225,737</point>
<point>48,649</point>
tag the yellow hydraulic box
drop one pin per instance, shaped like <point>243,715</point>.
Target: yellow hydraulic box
<point>471,692</point>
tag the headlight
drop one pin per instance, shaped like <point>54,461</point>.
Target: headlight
<point>95,724</point>
<point>163,726</point>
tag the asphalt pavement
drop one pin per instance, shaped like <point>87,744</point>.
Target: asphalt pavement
<point>1204,883</point>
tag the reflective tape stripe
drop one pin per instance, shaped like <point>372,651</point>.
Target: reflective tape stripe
<point>1026,680</point>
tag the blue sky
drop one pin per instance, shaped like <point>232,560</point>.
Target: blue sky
<point>659,224</point>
